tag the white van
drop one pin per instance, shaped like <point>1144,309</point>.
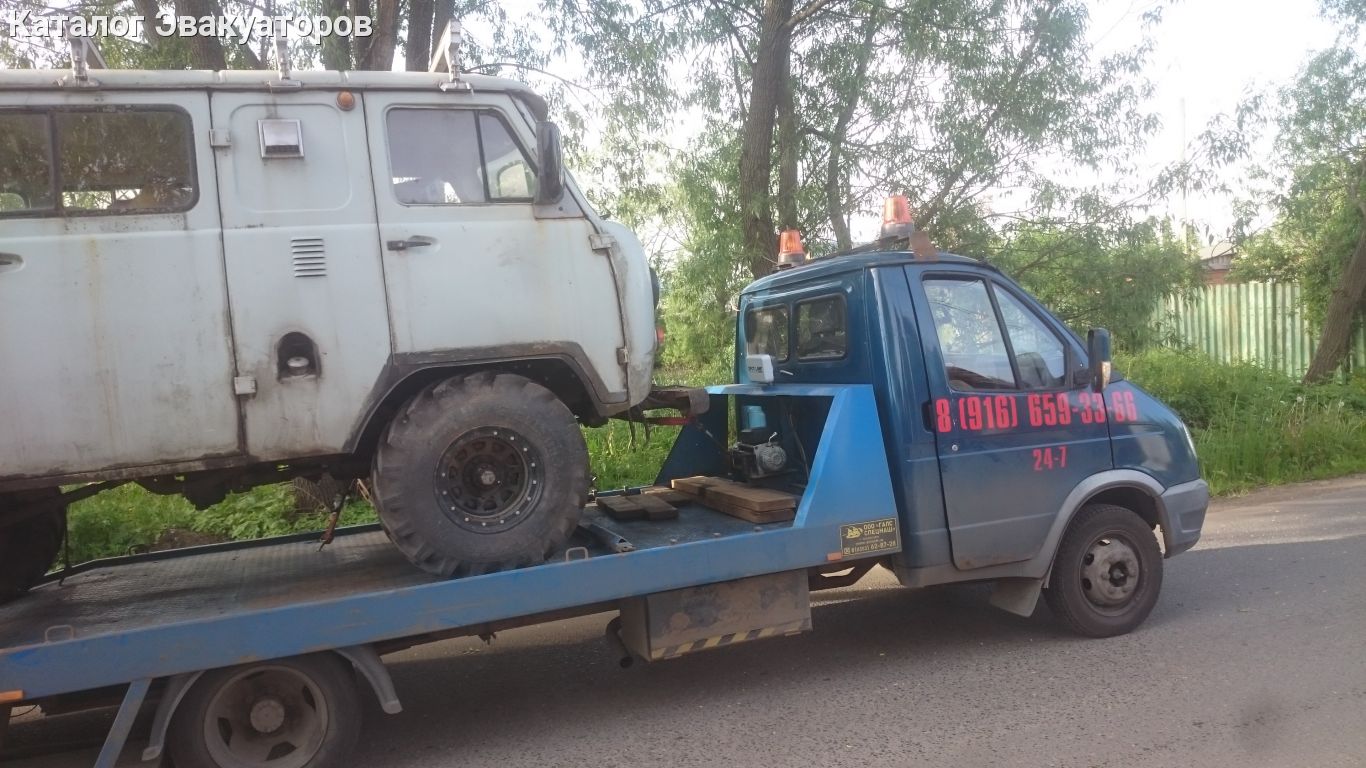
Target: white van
<point>214,280</point>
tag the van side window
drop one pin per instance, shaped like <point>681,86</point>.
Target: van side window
<point>130,161</point>
<point>766,332</point>
<point>25,163</point>
<point>455,157</point>
<point>821,329</point>
<point>126,161</point>
<point>970,336</point>
<point>1039,356</point>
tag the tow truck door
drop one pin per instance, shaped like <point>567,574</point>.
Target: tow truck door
<point>1013,436</point>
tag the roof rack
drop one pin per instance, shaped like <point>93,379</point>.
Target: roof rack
<point>446,57</point>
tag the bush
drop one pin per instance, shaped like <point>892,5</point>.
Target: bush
<point>1253,426</point>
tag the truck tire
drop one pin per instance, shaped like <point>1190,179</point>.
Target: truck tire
<point>297,712</point>
<point>481,473</point>
<point>29,548</point>
<point>1107,572</point>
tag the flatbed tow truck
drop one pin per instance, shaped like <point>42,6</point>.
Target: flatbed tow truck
<point>871,388</point>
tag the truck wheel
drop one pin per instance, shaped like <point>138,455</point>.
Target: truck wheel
<point>481,473</point>
<point>299,712</point>
<point>1107,572</point>
<point>28,548</point>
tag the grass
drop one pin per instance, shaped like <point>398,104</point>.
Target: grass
<point>1251,427</point>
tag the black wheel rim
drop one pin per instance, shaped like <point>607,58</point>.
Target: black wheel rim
<point>489,479</point>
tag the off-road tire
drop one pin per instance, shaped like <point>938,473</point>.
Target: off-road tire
<point>30,547</point>
<point>1078,599</point>
<point>472,427</point>
<point>332,701</point>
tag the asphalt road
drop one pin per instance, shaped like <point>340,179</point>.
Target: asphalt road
<point>1255,656</point>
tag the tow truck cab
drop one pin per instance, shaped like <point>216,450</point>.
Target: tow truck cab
<point>996,428</point>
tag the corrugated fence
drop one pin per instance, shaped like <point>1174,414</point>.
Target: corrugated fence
<point>1252,322</point>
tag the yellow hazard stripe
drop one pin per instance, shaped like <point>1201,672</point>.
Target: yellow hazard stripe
<point>719,641</point>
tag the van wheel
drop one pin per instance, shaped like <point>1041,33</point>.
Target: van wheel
<point>481,473</point>
<point>1107,573</point>
<point>298,712</point>
<point>28,548</point>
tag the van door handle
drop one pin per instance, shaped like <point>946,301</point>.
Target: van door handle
<point>10,262</point>
<point>420,241</point>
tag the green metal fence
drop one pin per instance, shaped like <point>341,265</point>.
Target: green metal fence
<point>1263,323</point>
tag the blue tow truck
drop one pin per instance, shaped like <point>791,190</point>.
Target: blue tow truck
<point>924,413</point>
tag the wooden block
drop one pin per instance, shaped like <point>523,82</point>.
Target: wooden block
<point>621,507</point>
<point>736,494</point>
<point>771,516</point>
<point>668,495</point>
<point>655,507</point>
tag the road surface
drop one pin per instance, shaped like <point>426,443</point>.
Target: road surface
<point>1255,656</point>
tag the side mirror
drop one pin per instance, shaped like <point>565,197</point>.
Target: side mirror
<point>1098,355</point>
<point>550,167</point>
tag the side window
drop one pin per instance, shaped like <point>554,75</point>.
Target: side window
<point>136,161</point>
<point>455,157</point>
<point>25,163</point>
<point>108,162</point>
<point>766,332</point>
<point>821,329</point>
<point>970,336</point>
<point>1039,355</point>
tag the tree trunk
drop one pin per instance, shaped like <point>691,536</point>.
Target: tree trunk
<point>379,53</point>
<point>756,148</point>
<point>336,50</point>
<point>835,173</point>
<point>1342,309</point>
<point>442,13</point>
<point>418,49</point>
<point>205,52</point>
<point>788,146</point>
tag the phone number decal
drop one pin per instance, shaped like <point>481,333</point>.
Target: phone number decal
<point>1003,413</point>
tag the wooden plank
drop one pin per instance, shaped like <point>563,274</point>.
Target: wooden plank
<point>771,516</point>
<point>655,507</point>
<point>621,507</point>
<point>668,495</point>
<point>736,494</point>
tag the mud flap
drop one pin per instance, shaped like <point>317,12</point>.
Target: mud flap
<point>1017,596</point>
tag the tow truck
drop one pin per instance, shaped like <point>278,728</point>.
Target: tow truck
<point>894,406</point>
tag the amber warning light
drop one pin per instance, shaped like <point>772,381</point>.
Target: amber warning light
<point>790,250</point>
<point>896,217</point>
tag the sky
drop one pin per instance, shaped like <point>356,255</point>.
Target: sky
<point>1209,53</point>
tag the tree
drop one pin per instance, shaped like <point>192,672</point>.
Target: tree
<point>1319,236</point>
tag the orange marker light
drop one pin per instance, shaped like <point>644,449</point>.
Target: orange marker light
<point>346,100</point>
<point>896,217</point>
<point>790,250</point>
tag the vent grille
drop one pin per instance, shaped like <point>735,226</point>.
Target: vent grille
<point>310,258</point>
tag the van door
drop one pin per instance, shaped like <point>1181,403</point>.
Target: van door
<point>116,348</point>
<point>1013,437</point>
<point>471,272</point>
<point>307,291</point>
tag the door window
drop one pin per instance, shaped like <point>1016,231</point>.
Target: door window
<point>1039,355</point>
<point>970,336</point>
<point>455,157</point>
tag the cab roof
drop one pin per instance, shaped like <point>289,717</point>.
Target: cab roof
<point>853,262</point>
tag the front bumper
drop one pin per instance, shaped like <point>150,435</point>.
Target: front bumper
<point>1182,515</point>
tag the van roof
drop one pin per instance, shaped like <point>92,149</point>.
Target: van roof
<point>254,79</point>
